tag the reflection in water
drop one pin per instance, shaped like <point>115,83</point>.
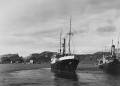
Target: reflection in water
<point>44,77</point>
<point>66,80</point>
<point>112,80</point>
<point>73,76</point>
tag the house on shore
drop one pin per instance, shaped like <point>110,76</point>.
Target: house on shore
<point>11,58</point>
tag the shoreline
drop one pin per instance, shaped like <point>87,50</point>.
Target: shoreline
<point>18,67</point>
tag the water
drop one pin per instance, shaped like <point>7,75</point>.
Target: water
<point>44,77</point>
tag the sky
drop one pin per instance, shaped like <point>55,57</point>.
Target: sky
<point>33,26</point>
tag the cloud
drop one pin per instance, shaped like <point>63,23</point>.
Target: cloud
<point>106,30</point>
<point>42,33</point>
<point>80,31</point>
<point>39,12</point>
<point>31,24</point>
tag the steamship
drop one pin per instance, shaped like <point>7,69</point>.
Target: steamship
<point>110,64</point>
<point>64,62</point>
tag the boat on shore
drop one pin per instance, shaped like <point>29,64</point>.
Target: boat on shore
<point>63,62</point>
<point>110,64</point>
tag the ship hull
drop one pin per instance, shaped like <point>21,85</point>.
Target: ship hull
<point>112,67</point>
<point>68,66</point>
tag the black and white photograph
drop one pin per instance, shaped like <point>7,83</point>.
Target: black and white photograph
<point>59,42</point>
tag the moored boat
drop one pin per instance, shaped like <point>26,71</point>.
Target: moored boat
<point>63,62</point>
<point>110,64</point>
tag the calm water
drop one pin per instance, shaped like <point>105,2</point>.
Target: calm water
<point>44,77</point>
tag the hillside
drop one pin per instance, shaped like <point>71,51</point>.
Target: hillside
<point>91,58</point>
<point>40,57</point>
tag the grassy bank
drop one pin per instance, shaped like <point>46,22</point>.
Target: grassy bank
<point>17,67</point>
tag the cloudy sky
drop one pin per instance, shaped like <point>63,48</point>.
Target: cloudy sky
<point>29,26</point>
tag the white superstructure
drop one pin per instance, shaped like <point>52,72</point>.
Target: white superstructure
<point>54,59</point>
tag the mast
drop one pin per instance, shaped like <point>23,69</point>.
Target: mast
<point>112,41</point>
<point>113,50</point>
<point>112,47</point>
<point>117,47</point>
<point>64,46</point>
<point>60,41</point>
<point>69,43</point>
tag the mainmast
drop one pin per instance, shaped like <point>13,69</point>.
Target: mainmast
<point>69,43</point>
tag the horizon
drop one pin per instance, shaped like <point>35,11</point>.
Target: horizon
<point>33,26</point>
<point>53,51</point>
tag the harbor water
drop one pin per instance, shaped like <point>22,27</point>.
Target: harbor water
<point>44,77</point>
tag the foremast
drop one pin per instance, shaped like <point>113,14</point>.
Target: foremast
<point>60,42</point>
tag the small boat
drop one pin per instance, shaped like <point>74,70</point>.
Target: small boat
<point>110,64</point>
<point>63,62</point>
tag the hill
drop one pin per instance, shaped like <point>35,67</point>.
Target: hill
<point>38,58</point>
<point>91,58</point>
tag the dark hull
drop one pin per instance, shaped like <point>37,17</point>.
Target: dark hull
<point>112,67</point>
<point>68,66</point>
